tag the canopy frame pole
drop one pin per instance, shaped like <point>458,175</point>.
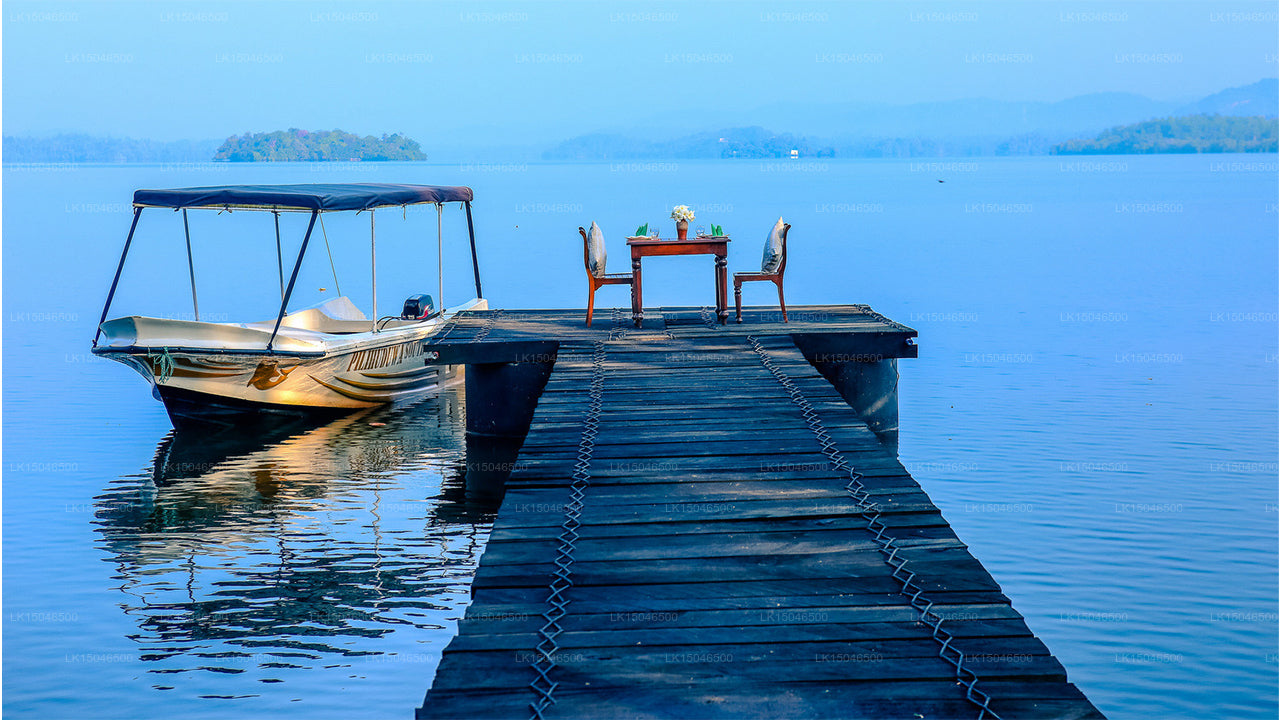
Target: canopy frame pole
<point>440,253</point>
<point>475,264</point>
<point>373,266</point>
<point>284,302</point>
<point>279,252</point>
<point>137,212</point>
<point>191,265</point>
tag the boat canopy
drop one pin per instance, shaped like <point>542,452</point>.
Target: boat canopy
<point>315,198</point>
<point>322,197</point>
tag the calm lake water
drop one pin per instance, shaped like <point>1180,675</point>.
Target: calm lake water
<point>1094,409</point>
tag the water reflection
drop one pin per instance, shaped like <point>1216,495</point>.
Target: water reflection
<point>285,548</point>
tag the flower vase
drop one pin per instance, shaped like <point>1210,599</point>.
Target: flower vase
<point>682,229</point>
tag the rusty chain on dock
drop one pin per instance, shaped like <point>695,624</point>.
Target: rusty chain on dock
<point>708,318</point>
<point>487,327</point>
<point>452,324</point>
<point>544,660</point>
<point>887,545</point>
<point>866,310</point>
<point>619,329</point>
<point>447,328</point>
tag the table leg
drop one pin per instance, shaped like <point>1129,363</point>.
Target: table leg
<point>722,288</point>
<point>637,296</point>
<point>715,281</point>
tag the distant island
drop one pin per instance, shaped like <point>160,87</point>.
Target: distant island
<point>760,143</point>
<point>282,145</point>
<point>309,146</point>
<point>747,142</point>
<point>1186,134</point>
<point>81,148</point>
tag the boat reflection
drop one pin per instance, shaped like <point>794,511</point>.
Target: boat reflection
<point>276,548</point>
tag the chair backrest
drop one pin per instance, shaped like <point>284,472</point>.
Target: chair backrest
<point>780,257</point>
<point>782,265</point>
<point>601,258</point>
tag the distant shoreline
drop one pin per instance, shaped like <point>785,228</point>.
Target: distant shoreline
<point>940,164</point>
<point>1200,134</point>
<point>1102,123</point>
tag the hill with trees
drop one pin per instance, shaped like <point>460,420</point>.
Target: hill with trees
<point>1186,134</point>
<point>81,148</point>
<point>307,146</point>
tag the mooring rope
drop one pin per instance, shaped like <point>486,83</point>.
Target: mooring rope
<point>163,365</point>
<point>887,545</point>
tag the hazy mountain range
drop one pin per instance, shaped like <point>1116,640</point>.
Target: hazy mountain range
<point>843,129</point>
<point>1081,115</point>
<point>960,127</point>
<point>85,148</point>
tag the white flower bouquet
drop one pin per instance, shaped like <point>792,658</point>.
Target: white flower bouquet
<point>681,212</point>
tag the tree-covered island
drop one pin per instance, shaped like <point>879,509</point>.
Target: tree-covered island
<point>1186,134</point>
<point>306,146</point>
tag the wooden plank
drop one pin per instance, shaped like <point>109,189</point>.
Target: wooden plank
<point>546,515</point>
<point>706,546</point>
<point>794,698</point>
<point>954,569</point>
<point>901,525</point>
<point>921,526</point>
<point>706,461</point>
<point>747,593</point>
<point>623,667</point>
<point>496,618</point>
<point>671,489</point>
<point>552,475</point>
<point>534,503</point>
<point>556,435</point>
<point>763,629</point>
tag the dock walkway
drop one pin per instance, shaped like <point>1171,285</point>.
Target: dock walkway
<point>699,526</point>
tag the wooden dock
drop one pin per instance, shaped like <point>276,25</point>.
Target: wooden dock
<point>699,525</point>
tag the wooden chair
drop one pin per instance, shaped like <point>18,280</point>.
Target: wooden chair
<point>595,283</point>
<point>775,278</point>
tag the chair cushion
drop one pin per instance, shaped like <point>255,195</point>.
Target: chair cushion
<point>596,255</point>
<point>773,249</point>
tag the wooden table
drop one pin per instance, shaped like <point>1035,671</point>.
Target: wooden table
<point>642,247</point>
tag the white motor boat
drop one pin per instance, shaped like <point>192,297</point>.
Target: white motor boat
<point>329,357</point>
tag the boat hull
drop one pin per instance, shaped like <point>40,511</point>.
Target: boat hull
<point>221,386</point>
<point>188,409</point>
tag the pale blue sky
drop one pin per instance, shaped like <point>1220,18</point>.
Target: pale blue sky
<point>537,71</point>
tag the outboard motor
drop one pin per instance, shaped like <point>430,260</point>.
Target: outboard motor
<point>417,307</point>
